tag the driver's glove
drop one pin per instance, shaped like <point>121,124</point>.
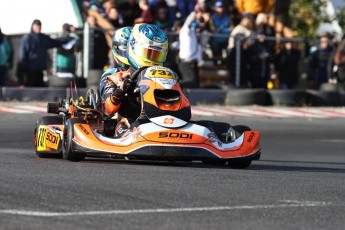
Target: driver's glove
<point>116,96</point>
<point>127,85</point>
<point>123,87</point>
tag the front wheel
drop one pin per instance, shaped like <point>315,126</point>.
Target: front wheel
<point>216,162</point>
<point>68,152</point>
<point>240,163</point>
<point>46,120</point>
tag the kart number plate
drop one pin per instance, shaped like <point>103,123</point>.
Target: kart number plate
<point>160,73</point>
<point>47,139</point>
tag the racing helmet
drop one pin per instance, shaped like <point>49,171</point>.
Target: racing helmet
<point>147,46</point>
<point>119,46</point>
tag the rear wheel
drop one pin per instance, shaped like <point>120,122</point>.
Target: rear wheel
<point>67,149</point>
<point>47,120</point>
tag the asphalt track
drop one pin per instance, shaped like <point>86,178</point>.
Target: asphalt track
<point>298,184</point>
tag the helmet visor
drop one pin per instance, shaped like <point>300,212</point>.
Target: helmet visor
<point>152,54</point>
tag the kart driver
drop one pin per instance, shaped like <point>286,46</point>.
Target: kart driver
<point>147,46</point>
<point>118,48</point>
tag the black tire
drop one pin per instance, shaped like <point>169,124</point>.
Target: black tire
<point>257,156</point>
<point>288,97</point>
<point>47,120</point>
<point>218,162</point>
<point>324,98</point>
<point>67,150</point>
<point>240,163</point>
<point>247,97</point>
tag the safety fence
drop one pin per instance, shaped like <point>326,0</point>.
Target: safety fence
<point>211,74</point>
<point>221,97</point>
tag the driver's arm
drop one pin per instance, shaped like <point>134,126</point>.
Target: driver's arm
<point>114,91</point>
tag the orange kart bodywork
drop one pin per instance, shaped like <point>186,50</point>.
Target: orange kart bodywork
<point>193,142</point>
<point>149,141</point>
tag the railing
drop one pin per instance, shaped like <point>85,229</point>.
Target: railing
<point>87,50</point>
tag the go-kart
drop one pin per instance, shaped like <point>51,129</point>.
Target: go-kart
<point>163,131</point>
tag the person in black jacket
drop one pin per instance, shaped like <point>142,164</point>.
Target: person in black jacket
<point>287,65</point>
<point>130,10</point>
<point>33,55</point>
<point>318,61</point>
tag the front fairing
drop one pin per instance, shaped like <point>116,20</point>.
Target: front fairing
<point>171,113</point>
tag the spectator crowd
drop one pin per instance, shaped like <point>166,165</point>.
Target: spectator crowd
<point>195,26</point>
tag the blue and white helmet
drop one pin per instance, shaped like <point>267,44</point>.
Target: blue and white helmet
<point>119,47</point>
<point>147,46</point>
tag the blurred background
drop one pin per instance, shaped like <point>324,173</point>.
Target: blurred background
<point>244,43</point>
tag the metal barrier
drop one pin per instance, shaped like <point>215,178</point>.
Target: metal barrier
<point>87,51</point>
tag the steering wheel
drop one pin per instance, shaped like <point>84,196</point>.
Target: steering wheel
<point>137,72</point>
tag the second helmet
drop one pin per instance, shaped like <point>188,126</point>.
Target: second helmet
<point>119,47</point>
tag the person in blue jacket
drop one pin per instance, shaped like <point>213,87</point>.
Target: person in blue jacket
<point>33,55</point>
<point>220,27</point>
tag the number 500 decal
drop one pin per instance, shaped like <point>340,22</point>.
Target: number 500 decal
<point>46,138</point>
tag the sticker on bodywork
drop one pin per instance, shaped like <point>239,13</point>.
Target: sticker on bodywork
<point>160,72</point>
<point>47,139</point>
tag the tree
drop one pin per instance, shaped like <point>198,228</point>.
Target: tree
<point>341,17</point>
<point>306,15</point>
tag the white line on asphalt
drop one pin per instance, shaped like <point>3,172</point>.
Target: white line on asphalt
<point>284,204</point>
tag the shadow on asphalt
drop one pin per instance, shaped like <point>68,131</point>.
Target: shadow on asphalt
<point>185,164</point>
<point>261,165</point>
<point>278,165</point>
